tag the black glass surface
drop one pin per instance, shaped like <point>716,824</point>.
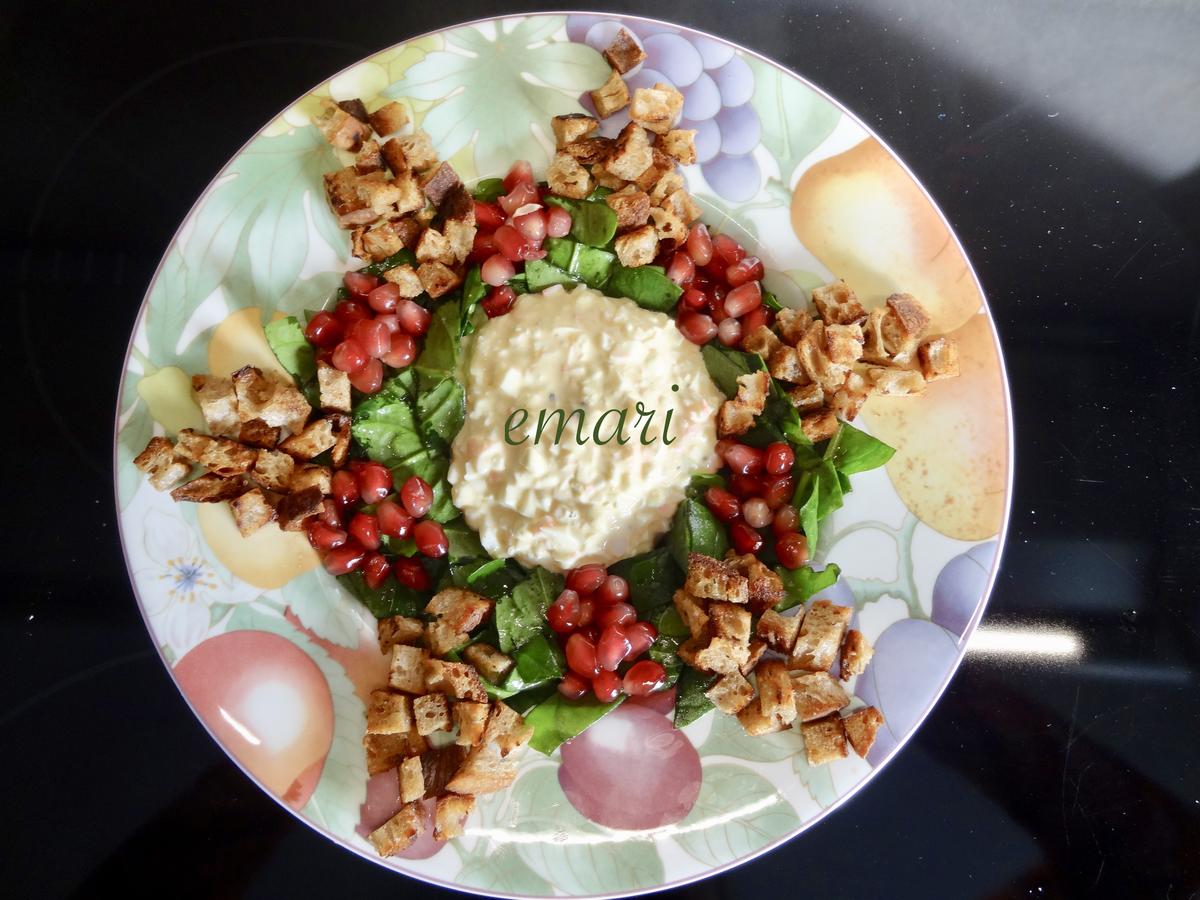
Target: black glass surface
<point>1062,139</point>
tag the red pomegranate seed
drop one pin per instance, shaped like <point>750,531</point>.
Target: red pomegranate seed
<point>390,321</point>
<point>520,194</point>
<point>746,486</point>
<point>364,528</point>
<point>779,458</point>
<point>641,635</point>
<point>744,460</point>
<point>496,270</point>
<point>360,284</point>
<point>532,225</point>
<point>606,686</point>
<point>779,490</point>
<point>573,687</point>
<point>617,614</point>
<point>563,613</point>
<point>694,299</point>
<point>411,574</point>
<point>742,299</point>
<point>344,559</point>
<point>615,589</point>
<point>324,330</point>
<point>754,320</point>
<point>722,504</point>
<point>402,352</point>
<point>756,513</point>
<point>393,521</point>
<point>581,655</point>
<point>374,481</point>
<point>417,496</point>
<point>431,538</point>
<point>681,269</point>
<point>510,242</point>
<point>727,250</point>
<point>521,171</point>
<point>414,318</point>
<point>376,569</point>
<point>482,247</point>
<point>729,332</point>
<point>787,518</point>
<point>384,298</point>
<point>723,446</point>
<point>349,356</point>
<point>792,550</point>
<point>745,539</point>
<point>644,678</point>
<point>369,378</point>
<point>330,514</point>
<point>532,251</point>
<point>488,215</point>
<point>699,244</point>
<point>350,311</point>
<point>344,487</point>
<point>499,301</point>
<point>743,271</point>
<point>696,327</point>
<point>612,648</point>
<point>587,611</point>
<point>586,579</point>
<point>372,336</point>
<point>323,537</point>
<point>558,222</point>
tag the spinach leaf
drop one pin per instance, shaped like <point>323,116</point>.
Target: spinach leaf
<point>519,283</point>
<point>694,530</point>
<point>523,702</point>
<point>384,427</point>
<point>390,599</point>
<point>592,221</point>
<point>485,571</point>
<point>652,577</point>
<point>402,257</point>
<point>559,251</point>
<point>489,189</point>
<point>665,649</point>
<point>473,291</point>
<point>293,350</point>
<point>540,661</point>
<point>852,451</point>
<point>770,301</point>
<point>725,366</point>
<point>558,719</point>
<point>599,193</point>
<point>818,493</point>
<point>432,468</point>
<point>539,275</point>
<point>645,286</point>
<point>439,359</point>
<point>701,482</point>
<point>800,584</point>
<point>463,540</point>
<point>520,615</point>
<point>440,413</point>
<point>690,702</point>
<point>593,265</point>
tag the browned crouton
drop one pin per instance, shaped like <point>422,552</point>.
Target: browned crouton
<point>819,426</point>
<point>407,672</point>
<point>722,655</point>
<point>817,365</point>
<point>292,509</point>
<point>660,165</point>
<point>668,226</point>
<point>590,151</point>
<point>837,304</point>
<point>454,679</point>
<point>461,237</point>
<point>437,183</point>
<point>861,727</point>
<point>656,108</point>
<point>631,155</point>
<point>817,694</point>
<point>341,190</point>
<point>389,118</point>
<point>873,344</point>
<point>766,587</point>
<point>567,178</point>
<point>463,610</point>
<point>438,279</point>
<point>683,205</point>
<point>779,631</point>
<point>375,243</point>
<point>775,697</point>
<point>611,96</point>
<point>392,152</point>
<point>273,470</point>
<point>824,740</point>
<point>605,178</point>
<point>389,713</point>
<point>715,579</point>
<point>756,723</point>
<point>410,198</point>
<point>668,183</point>
<point>276,402</point>
<point>755,653</point>
<point>491,663</point>
<point>855,656</point>
<point>731,694</point>
<point>209,489</point>
<point>311,476</point>
<point>506,729</point>
<point>355,107</point>
<point>218,404</point>
<point>398,833</point>
<point>631,206</point>
<point>623,52</point>
<point>342,129</point>
<point>847,401</point>
<point>761,340</point>
<point>807,397</point>
<point>637,247</point>
<point>257,433</point>
<point>692,612</point>
<point>439,765</point>
<point>736,416</point>
<point>431,713</point>
<point>784,364</point>
<point>369,158</point>
<point>680,143</point>
<point>315,439</point>
<point>729,620</point>
<point>399,630</point>
<point>433,247</point>
<point>450,816</point>
<point>904,325</point>
<point>572,127</point>
<point>405,277</point>
<point>251,511</point>
<point>793,324</point>
<point>939,358</point>
<point>820,636</point>
<point>334,386</point>
<point>484,771</point>
<point>896,382</point>
<point>442,639</point>
<point>219,455</point>
<point>733,419</point>
<point>470,719</point>
<point>160,462</point>
<point>387,751</point>
<point>418,151</point>
<point>844,343</point>
<point>412,779</point>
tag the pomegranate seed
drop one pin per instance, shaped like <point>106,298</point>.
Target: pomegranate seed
<point>787,518</point>
<point>563,613</point>
<point>644,678</point>
<point>496,270</point>
<point>745,539</point>
<point>323,537</point>
<point>746,486</point>
<point>390,321</point>
<point>694,299</point>
<point>488,215</point>
<point>414,318</point>
<point>376,569</point>
<point>324,330</point>
<point>349,356</point>
<point>756,513</point>
<point>715,269</point>
<point>401,352</point>
<point>681,269</point>
<point>612,648</point>
<point>521,171</point>
<point>581,655</point>
<point>499,301</point>
<point>384,298</point>
<point>573,687</point>
<point>744,460</point>
<point>779,458</point>
<point>330,514</point>
<point>372,336</point>
<point>779,490</point>
<point>360,284</point>
<point>417,496</point>
<point>587,611</point>
<point>393,521</point>
<point>742,299</point>
<point>369,378</point>
<point>723,446</point>
<point>792,550</point>
<point>587,579</point>
<point>558,222</point>
<point>696,327</point>
<point>615,589</point>
<point>344,487</point>
<point>606,686</point>
<point>641,635</point>
<point>743,271</point>
<point>532,251</point>
<point>509,242</point>
<point>482,247</point>
<point>729,332</point>
<point>431,538</point>
<point>617,614</point>
<point>411,574</point>
<point>727,251</point>
<point>532,225</point>
<point>722,504</point>
<point>364,528</point>
<point>754,320</point>
<point>699,244</point>
<point>521,194</point>
<point>374,481</point>
<point>344,559</point>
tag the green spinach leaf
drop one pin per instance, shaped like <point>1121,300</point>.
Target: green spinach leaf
<point>558,719</point>
<point>440,413</point>
<point>293,350</point>
<point>390,599</point>
<point>694,530</point>
<point>690,702</point>
<point>473,291</point>
<point>852,451</point>
<point>439,359</point>
<point>645,286</point>
<point>521,614</point>
<point>653,579</point>
<point>384,427</point>
<point>489,189</point>
<point>818,493</point>
<point>592,221</point>
<point>800,584</point>
<point>539,275</point>
<point>538,662</point>
<point>402,257</point>
<point>701,482</point>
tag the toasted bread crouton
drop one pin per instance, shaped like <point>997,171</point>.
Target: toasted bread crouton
<point>218,404</point>
<point>660,165</point>
<point>491,663</point>
<point>398,833</point>
<point>611,96</point>
<point>334,385</point>
<point>339,424</point>
<point>441,638</point>
<point>904,325</point>
<point>766,587</point>
<point>412,779</point>
<point>369,158</point>
<point>817,694</point>
<point>437,279</point>
<point>209,489</point>
<point>251,511</point>
<point>733,419</point>
<point>567,178</point>
<point>315,439</point>
<point>161,464</point>
<point>311,476</point>
<point>668,226</point>
<point>819,426</point>
<point>938,358</point>
<point>631,206</point>
<point>817,365</point>
<point>873,344</point>
<point>399,630</point>
<point>484,771</point>
<point>434,247</point>
<point>269,398</point>
<point>755,652</point>
<point>729,620</point>
<point>837,304</point>
<point>824,740</point>
<point>690,649</point>
<point>389,118</point>
<point>680,144</point>
<point>355,108</point>
<point>605,178</point>
<point>847,401</point>
<point>793,324</point>
<point>572,127</point>
<point>410,200</point>
<point>257,433</point>
<point>861,727</point>
<point>405,277</point>
<point>656,108</point>
<point>341,190</point>
<point>273,469</point>
<point>844,343</point>
<point>450,816</point>
<point>590,151</point>
<point>418,151</point>
<point>668,183</point>
<point>377,242</point>
<point>807,397</point>
<point>631,155</point>
<point>392,152</point>
<point>457,680</point>
<point>637,247</point>
<point>784,364</point>
<point>856,654</point>
<point>761,340</point>
<point>506,729</point>
<point>752,390</point>
<point>463,610</point>
<point>775,698</point>
<point>683,205</point>
<point>737,416</point>
<point>387,751</point>
<point>439,765</point>
<point>731,694</point>
<point>341,129</point>
<point>779,631</point>
<point>378,193</point>
<point>407,672</point>
<point>756,723</point>
<point>820,636</point>
<point>896,382</point>
<point>722,655</point>
<point>431,713</point>
<point>692,612</point>
<point>389,713</point>
<point>461,237</point>
<point>438,182</point>
<point>624,52</point>
<point>219,455</point>
<point>292,509</point>
<point>470,719</point>
<point>715,579</point>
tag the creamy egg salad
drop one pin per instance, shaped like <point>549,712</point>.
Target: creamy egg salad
<point>561,503</point>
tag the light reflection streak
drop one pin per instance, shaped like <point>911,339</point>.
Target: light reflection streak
<point>239,727</point>
<point>1026,641</point>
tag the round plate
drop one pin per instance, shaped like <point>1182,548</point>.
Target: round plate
<point>276,659</point>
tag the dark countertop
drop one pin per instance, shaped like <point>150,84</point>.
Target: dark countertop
<point>1063,142</point>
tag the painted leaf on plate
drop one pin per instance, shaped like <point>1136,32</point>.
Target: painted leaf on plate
<point>817,779</point>
<point>323,607</point>
<point>502,871</point>
<point>739,811</point>
<point>133,438</point>
<point>728,738</point>
<point>795,118</point>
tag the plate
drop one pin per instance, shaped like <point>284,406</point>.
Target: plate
<point>276,660</point>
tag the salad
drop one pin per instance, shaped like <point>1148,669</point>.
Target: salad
<point>517,612</point>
